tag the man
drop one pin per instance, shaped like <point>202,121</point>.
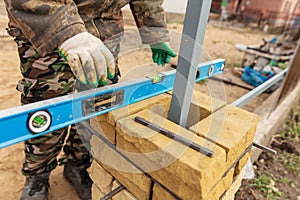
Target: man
<point>58,41</point>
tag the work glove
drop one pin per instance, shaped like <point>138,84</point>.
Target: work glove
<point>89,59</point>
<point>162,53</point>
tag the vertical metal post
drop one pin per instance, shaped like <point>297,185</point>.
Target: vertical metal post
<point>196,18</point>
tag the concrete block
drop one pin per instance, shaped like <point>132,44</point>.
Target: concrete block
<point>121,169</point>
<point>184,171</point>
<point>123,195</point>
<point>105,124</point>
<point>101,178</point>
<point>231,128</point>
<point>160,193</point>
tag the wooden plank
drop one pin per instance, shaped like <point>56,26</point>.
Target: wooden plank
<point>272,56</point>
<point>292,78</point>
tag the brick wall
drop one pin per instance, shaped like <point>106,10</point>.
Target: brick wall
<point>274,13</point>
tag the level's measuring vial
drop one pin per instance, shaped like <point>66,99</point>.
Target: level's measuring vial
<point>212,69</point>
<point>39,121</point>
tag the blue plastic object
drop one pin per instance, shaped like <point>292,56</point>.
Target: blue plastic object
<point>273,40</point>
<point>253,77</point>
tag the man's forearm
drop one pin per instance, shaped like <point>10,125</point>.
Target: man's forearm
<point>45,25</point>
<point>150,19</point>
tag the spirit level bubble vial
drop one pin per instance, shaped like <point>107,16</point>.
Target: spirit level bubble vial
<point>39,121</point>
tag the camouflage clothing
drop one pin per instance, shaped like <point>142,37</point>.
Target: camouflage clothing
<point>41,152</point>
<point>39,28</point>
<point>44,77</point>
<point>47,77</point>
<point>46,24</point>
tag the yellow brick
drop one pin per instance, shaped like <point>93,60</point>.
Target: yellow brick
<point>101,178</point>
<point>163,99</point>
<point>184,171</point>
<point>230,193</point>
<point>201,107</point>
<point>105,124</point>
<point>122,170</point>
<point>160,193</point>
<point>241,164</point>
<point>104,128</point>
<point>123,195</point>
<point>221,187</point>
<point>96,193</point>
<point>231,128</point>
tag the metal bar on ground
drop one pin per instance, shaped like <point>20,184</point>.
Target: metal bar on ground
<point>264,148</point>
<point>175,137</point>
<point>196,18</point>
<point>258,90</point>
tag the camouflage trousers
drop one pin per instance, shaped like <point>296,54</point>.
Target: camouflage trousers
<point>49,77</point>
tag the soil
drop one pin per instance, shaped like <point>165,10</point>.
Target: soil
<point>277,176</point>
<point>219,43</point>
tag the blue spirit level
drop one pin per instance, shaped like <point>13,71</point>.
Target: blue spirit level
<point>32,120</point>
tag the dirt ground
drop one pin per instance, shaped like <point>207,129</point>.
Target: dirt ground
<point>277,176</point>
<point>219,43</point>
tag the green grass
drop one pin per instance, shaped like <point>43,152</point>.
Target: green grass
<point>266,184</point>
<point>265,181</point>
<point>291,131</point>
<point>290,161</point>
<point>291,128</point>
<point>283,180</point>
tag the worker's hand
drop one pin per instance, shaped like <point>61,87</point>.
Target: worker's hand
<point>162,53</point>
<point>89,59</point>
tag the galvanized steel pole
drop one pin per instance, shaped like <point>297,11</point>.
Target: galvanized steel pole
<point>259,89</point>
<point>196,18</point>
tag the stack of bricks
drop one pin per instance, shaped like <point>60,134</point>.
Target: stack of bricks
<point>152,166</point>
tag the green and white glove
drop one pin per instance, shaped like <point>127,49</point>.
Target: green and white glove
<point>162,53</point>
<point>90,60</point>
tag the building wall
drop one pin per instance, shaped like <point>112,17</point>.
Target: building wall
<point>272,12</point>
<point>273,5</point>
<point>286,6</point>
